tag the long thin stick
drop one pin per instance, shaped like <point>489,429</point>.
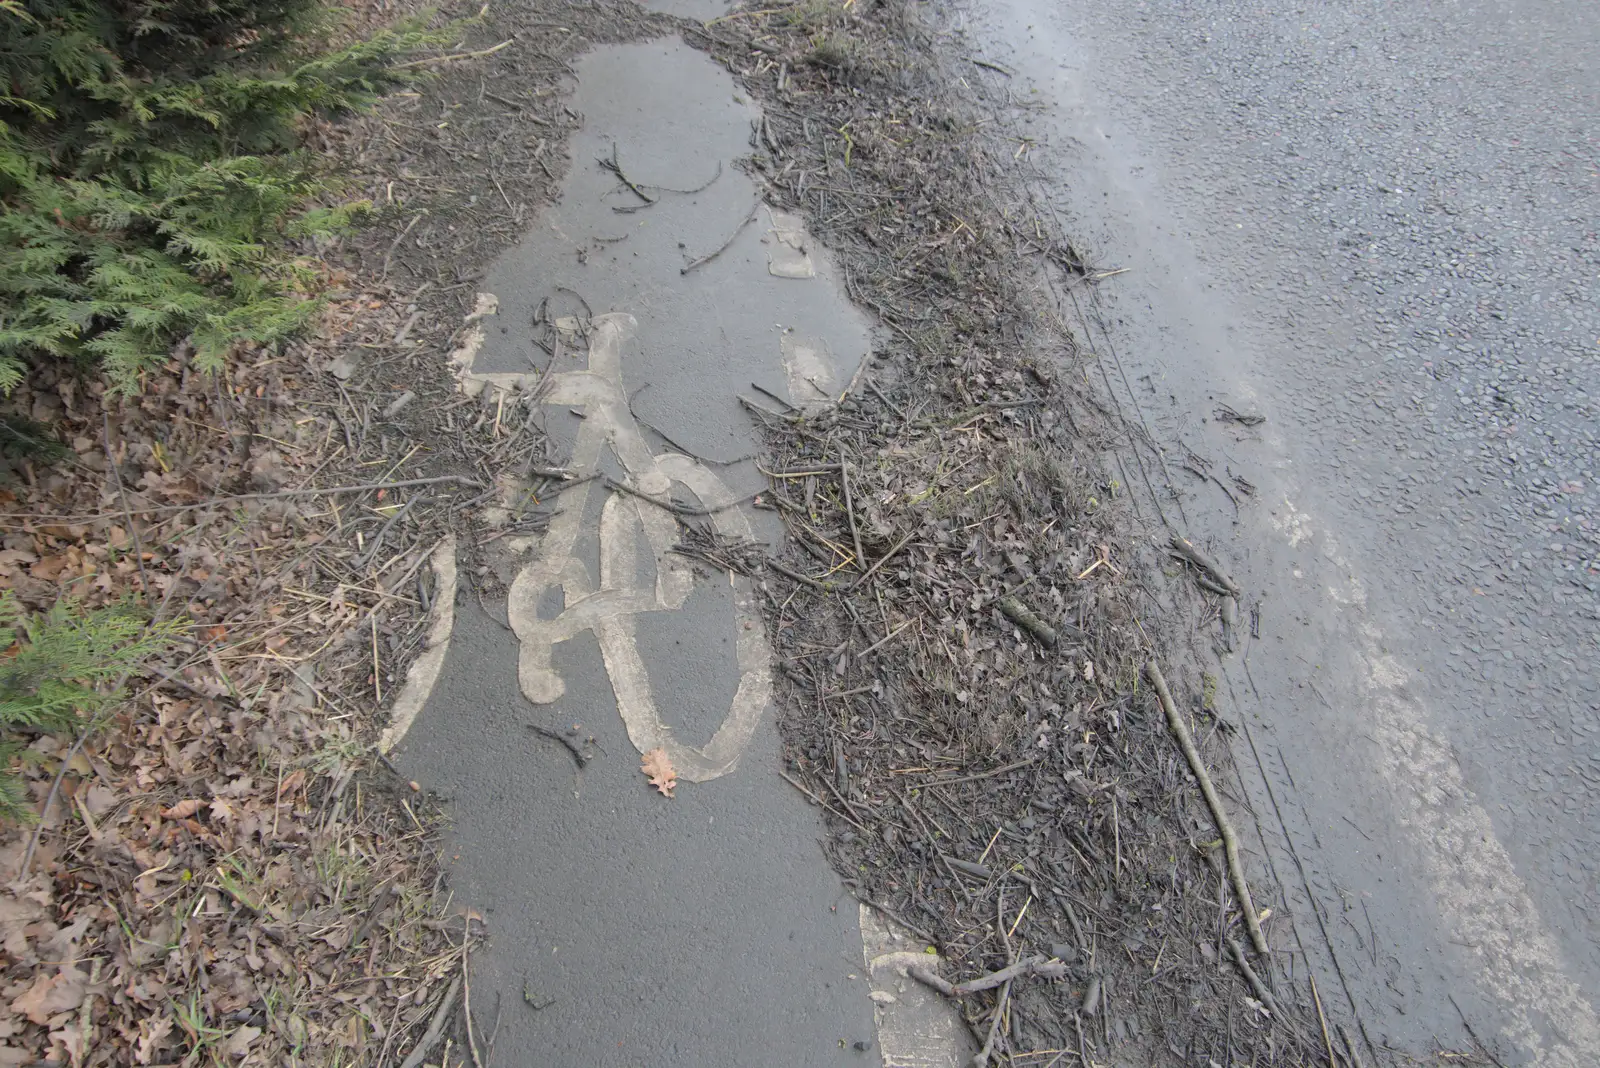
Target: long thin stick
<point>850,510</point>
<point>1230,841</point>
<point>466,994</point>
<point>1327,1041</point>
<point>614,165</point>
<point>435,1027</point>
<point>703,260</point>
<point>982,1059</point>
<point>980,775</point>
<point>1048,969</point>
<point>797,576</point>
<point>122,494</point>
<point>396,243</point>
<point>884,559</point>
<point>479,54</point>
<point>874,647</point>
<point>1350,1047</point>
<point>1205,562</point>
<point>1263,995</point>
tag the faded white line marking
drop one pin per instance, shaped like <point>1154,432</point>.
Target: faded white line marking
<point>1291,522</point>
<point>423,674</point>
<point>917,1027</point>
<point>809,367</point>
<point>786,247</point>
<point>608,610</point>
<point>1474,884</point>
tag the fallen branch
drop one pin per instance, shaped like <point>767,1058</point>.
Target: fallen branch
<point>1327,1040</point>
<point>377,539</point>
<point>1040,966</point>
<point>1263,995</point>
<point>614,165</point>
<point>1351,1051</point>
<point>1205,562</point>
<point>441,1016</point>
<point>1024,617</point>
<point>479,54</point>
<point>1230,841</point>
<point>982,1059</point>
<point>389,256</point>
<point>875,646</point>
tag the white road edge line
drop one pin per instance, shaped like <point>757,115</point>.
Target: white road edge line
<point>1475,885</point>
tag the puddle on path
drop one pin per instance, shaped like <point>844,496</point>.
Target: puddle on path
<point>674,118</point>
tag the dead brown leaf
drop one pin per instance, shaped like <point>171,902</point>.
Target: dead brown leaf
<point>52,994</point>
<point>183,809</point>
<point>658,769</point>
<point>153,1032</point>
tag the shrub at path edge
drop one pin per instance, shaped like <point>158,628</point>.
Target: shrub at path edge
<point>153,180</point>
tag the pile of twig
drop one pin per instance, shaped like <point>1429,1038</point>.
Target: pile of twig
<point>961,614</point>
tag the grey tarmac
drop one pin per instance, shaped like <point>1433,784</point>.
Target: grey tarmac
<point>1374,225</point>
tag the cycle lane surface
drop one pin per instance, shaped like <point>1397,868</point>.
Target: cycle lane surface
<point>627,928</point>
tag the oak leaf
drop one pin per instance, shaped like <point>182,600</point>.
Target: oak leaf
<point>52,994</point>
<point>658,769</point>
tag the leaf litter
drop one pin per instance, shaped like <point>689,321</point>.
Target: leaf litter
<point>198,887</point>
<point>229,872</point>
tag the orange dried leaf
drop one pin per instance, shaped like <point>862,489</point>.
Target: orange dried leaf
<point>658,769</point>
<point>183,809</point>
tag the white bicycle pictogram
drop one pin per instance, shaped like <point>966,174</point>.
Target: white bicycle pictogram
<point>609,609</point>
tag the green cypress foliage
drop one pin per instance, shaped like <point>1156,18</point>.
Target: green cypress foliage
<point>152,180</point>
<point>63,668</point>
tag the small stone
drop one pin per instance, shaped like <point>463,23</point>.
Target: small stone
<point>343,367</point>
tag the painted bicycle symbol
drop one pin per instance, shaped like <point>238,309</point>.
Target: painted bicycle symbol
<point>610,608</point>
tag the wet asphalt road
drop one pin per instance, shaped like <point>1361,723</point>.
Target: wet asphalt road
<point>1377,224</point>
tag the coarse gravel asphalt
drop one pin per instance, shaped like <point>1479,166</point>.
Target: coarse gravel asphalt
<point>1377,224</point>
